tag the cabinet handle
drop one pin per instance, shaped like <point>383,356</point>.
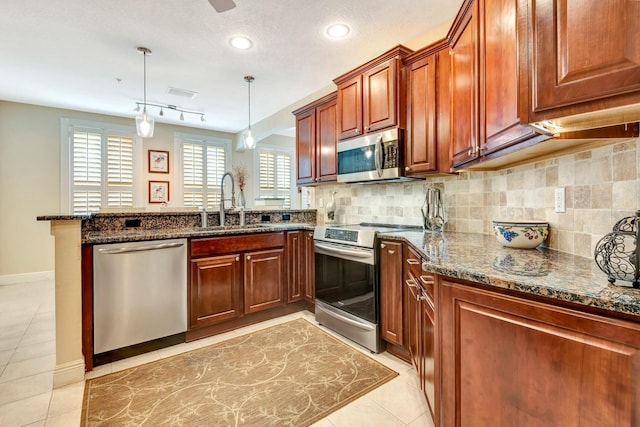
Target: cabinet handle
<point>310,234</point>
<point>407,168</point>
<point>427,280</point>
<point>391,252</point>
<point>237,258</point>
<point>473,151</point>
<point>248,257</point>
<point>412,261</point>
<point>357,132</point>
<point>420,297</point>
<point>411,283</point>
<point>366,129</point>
<point>382,246</point>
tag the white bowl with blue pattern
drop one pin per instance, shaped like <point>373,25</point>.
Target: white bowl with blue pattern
<point>521,234</point>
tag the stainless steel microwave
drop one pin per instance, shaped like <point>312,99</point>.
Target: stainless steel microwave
<point>372,157</point>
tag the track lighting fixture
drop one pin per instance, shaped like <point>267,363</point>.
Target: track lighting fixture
<point>163,107</point>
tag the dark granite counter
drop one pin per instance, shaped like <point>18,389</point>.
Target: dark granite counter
<point>98,237</point>
<point>544,272</point>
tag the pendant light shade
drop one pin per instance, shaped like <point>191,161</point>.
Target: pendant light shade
<point>249,141</point>
<point>144,123</point>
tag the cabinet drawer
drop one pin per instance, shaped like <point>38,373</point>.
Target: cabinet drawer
<point>241,243</point>
<point>413,261</point>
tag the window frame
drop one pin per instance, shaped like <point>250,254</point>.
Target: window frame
<point>277,149</point>
<point>67,128</point>
<point>179,139</point>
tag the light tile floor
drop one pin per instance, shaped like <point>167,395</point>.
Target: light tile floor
<point>27,360</point>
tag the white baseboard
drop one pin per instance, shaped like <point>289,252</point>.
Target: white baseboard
<point>68,373</point>
<point>37,276</point>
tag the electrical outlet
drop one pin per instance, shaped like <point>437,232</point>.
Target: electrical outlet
<point>321,202</point>
<point>560,205</point>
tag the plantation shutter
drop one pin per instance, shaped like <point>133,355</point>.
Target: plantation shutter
<point>119,171</point>
<point>86,172</point>
<point>203,166</point>
<point>275,175</point>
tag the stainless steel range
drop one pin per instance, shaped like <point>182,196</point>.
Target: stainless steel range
<point>347,281</point>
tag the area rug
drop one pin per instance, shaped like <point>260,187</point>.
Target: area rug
<point>292,374</point>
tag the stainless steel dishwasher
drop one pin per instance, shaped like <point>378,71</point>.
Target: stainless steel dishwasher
<point>139,292</point>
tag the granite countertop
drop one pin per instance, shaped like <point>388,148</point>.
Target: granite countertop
<point>544,272</point>
<point>90,238</point>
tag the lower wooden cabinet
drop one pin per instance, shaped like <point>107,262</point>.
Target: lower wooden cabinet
<point>309,269</point>
<point>300,266</point>
<point>509,361</point>
<point>391,318</point>
<point>216,289</point>
<point>263,280</point>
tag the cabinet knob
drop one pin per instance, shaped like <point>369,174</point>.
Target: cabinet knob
<point>237,258</point>
<point>407,168</point>
<point>248,257</point>
<point>382,246</point>
<point>357,132</point>
<point>366,129</point>
<point>310,234</point>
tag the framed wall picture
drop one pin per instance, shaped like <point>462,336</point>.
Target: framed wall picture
<point>158,161</point>
<point>158,191</point>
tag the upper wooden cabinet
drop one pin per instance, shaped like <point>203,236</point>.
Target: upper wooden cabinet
<point>578,56</point>
<point>369,97</point>
<point>427,74</point>
<point>484,82</point>
<point>316,141</point>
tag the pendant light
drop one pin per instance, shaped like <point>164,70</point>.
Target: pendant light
<point>144,123</point>
<point>249,142</point>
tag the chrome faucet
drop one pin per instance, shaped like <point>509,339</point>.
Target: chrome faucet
<point>233,196</point>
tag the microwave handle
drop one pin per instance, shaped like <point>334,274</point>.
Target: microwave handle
<point>379,155</point>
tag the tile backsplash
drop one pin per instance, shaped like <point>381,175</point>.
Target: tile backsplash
<point>601,186</point>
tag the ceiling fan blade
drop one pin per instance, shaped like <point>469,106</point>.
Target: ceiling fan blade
<point>222,5</point>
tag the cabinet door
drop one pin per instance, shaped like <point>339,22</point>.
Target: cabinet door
<point>428,354</point>
<point>216,290</point>
<point>349,106</point>
<point>584,56</point>
<point>420,152</point>
<point>380,96</point>
<point>309,268</point>
<point>508,361</point>
<point>326,139</point>
<point>464,90</point>
<point>412,320</point>
<point>500,124</point>
<point>295,266</point>
<point>263,280</point>
<point>391,292</point>
<point>305,146</point>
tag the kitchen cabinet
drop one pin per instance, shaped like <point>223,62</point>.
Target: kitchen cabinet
<point>295,264</point>
<point>420,324</point>
<point>369,98</point>
<point>391,314</point>
<point>216,289</point>
<point>316,140</point>
<point>263,280</point>
<point>309,268</point>
<point>427,109</point>
<point>533,363</point>
<point>232,276</point>
<point>485,121</point>
<point>578,57</point>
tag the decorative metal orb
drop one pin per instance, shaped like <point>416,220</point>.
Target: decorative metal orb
<point>617,254</point>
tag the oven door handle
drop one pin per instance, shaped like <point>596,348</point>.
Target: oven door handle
<point>341,251</point>
<point>345,319</point>
<point>379,155</point>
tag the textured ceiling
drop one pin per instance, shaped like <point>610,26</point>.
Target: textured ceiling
<point>81,54</point>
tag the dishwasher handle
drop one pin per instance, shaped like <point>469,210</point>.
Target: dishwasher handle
<point>141,248</point>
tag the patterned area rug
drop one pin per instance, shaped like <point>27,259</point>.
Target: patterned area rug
<point>291,374</point>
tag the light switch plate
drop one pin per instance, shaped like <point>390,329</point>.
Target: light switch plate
<point>560,205</point>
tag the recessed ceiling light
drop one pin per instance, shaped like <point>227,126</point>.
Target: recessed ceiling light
<point>240,42</point>
<point>337,31</point>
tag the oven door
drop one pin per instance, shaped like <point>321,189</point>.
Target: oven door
<point>346,279</point>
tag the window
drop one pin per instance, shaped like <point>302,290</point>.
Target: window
<point>204,161</point>
<point>275,179</point>
<point>101,167</point>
